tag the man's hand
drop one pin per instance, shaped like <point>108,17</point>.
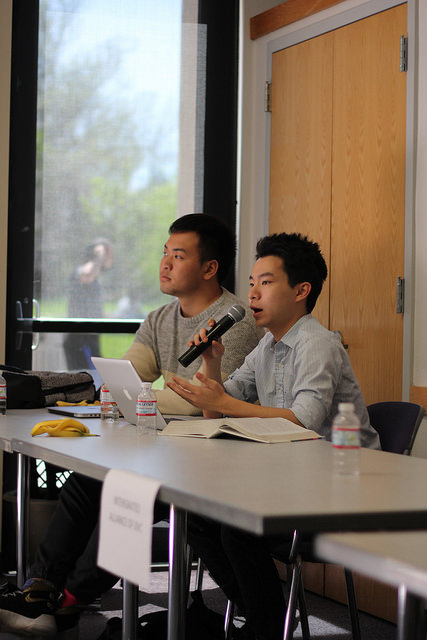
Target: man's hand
<point>215,351</point>
<point>215,401</point>
<point>210,395</point>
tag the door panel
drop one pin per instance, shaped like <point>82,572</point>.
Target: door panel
<point>368,199</point>
<point>301,142</point>
<point>338,175</point>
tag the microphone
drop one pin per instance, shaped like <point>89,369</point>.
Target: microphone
<point>234,314</point>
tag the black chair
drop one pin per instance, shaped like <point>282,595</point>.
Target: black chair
<point>397,424</point>
<point>301,550</point>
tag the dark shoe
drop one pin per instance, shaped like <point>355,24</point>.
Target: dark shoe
<point>113,630</point>
<point>201,624</point>
<point>30,611</point>
<point>246,633</point>
<point>243,633</point>
<point>67,622</point>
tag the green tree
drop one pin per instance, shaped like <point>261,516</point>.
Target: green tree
<point>103,166</point>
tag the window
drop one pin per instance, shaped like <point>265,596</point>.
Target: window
<point>123,118</point>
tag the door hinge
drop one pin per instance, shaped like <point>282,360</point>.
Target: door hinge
<point>403,54</point>
<point>400,295</point>
<point>267,97</point>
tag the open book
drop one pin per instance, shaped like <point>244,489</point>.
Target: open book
<point>259,429</point>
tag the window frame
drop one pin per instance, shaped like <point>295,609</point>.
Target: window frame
<point>220,162</point>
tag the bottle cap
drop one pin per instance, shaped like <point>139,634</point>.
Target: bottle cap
<point>345,406</point>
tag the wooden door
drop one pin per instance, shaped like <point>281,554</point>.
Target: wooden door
<point>337,172</point>
<point>368,199</point>
<point>301,146</point>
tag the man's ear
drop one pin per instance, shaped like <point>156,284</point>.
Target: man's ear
<point>210,269</point>
<point>302,291</point>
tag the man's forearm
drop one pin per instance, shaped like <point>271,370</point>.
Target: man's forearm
<point>212,369</point>
<point>240,409</point>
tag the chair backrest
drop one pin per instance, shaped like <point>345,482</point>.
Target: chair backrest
<point>397,424</point>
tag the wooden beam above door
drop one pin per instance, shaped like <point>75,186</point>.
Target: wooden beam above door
<point>286,13</point>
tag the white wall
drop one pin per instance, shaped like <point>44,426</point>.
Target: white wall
<point>420,312</point>
<point>420,336</point>
<point>250,201</point>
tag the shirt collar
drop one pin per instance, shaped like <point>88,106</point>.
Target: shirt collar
<point>291,336</point>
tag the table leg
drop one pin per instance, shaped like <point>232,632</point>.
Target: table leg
<point>22,504</point>
<point>130,610</point>
<point>177,599</point>
<point>288,632</point>
<point>411,623</point>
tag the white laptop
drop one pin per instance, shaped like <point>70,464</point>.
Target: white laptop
<point>124,384</point>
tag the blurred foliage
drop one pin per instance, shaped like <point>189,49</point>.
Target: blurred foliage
<point>114,345</point>
<point>103,169</point>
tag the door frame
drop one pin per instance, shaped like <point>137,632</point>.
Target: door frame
<point>258,171</point>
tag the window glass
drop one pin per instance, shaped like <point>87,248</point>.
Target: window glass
<point>68,351</point>
<point>108,147</point>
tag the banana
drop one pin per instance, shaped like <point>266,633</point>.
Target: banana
<point>83,403</point>
<point>65,428</point>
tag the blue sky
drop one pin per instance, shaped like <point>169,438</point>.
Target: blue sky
<point>148,33</point>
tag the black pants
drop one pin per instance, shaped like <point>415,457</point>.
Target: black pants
<point>242,565</point>
<point>67,555</point>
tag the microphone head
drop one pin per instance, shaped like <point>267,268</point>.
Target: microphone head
<point>237,312</point>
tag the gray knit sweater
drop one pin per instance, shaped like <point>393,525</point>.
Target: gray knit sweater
<point>164,335</point>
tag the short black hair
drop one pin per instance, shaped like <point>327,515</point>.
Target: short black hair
<point>216,240</point>
<point>90,248</point>
<point>302,261</point>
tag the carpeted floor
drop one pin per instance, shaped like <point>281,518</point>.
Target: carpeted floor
<point>328,620</point>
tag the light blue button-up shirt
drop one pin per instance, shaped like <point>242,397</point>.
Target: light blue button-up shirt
<point>309,372</point>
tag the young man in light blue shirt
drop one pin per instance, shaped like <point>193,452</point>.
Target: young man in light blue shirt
<point>299,371</point>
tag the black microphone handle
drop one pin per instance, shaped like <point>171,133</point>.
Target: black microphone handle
<point>213,334</point>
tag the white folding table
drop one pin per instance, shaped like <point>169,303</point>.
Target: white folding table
<point>398,558</point>
<point>261,488</point>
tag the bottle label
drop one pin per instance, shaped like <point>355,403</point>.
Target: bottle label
<point>346,438</point>
<point>146,408</point>
<point>3,392</point>
<point>107,398</point>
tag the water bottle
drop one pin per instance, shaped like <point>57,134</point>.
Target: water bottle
<point>109,409</point>
<point>3,395</point>
<point>146,411</point>
<point>346,440</point>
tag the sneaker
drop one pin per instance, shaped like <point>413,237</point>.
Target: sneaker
<point>30,611</point>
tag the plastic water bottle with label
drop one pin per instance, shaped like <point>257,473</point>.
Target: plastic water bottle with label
<point>109,408</point>
<point>346,440</point>
<point>146,411</point>
<point>3,395</point>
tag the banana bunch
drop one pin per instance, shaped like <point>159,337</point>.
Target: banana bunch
<point>65,428</point>
<point>83,403</point>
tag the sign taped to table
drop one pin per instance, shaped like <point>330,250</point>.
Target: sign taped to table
<point>126,524</point>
